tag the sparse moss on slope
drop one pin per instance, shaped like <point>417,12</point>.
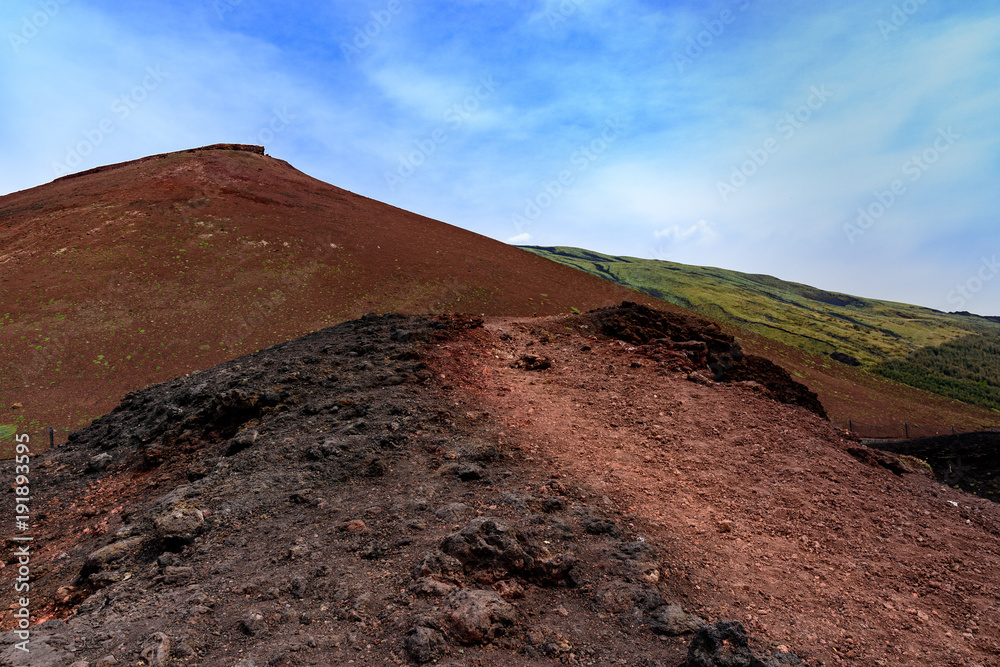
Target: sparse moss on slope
<point>886,337</point>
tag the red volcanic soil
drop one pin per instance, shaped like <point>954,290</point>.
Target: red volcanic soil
<point>134,273</point>
<point>770,514</point>
<point>514,491</point>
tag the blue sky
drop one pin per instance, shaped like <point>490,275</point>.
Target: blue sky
<point>853,146</point>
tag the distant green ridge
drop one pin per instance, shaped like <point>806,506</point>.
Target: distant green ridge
<point>896,340</point>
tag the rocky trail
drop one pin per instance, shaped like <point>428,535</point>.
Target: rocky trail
<point>621,487</point>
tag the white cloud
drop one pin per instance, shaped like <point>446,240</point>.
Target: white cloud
<point>520,239</point>
<point>699,232</point>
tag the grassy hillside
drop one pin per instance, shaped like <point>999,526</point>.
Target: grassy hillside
<point>967,368</point>
<point>945,353</point>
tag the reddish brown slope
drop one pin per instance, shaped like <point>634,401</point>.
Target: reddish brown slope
<point>770,516</point>
<point>135,273</point>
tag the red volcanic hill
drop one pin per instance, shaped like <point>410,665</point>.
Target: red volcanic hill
<point>134,273</point>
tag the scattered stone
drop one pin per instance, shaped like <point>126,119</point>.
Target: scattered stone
<point>469,472</point>
<point>104,579</point>
<point>425,641</point>
<point>724,526</point>
<point>721,644</point>
<point>98,462</point>
<point>725,644</point>
<point>700,378</point>
<point>112,553</point>
<point>486,543</point>
<point>431,587</point>
<point>177,575</point>
<point>180,524</point>
<point>454,512</point>
<point>478,617</point>
<point>355,526</point>
<point>622,597</point>
<point>253,624</point>
<point>600,526</point>
<point>509,589</point>
<point>182,650</point>
<point>553,504</point>
<point>241,441</point>
<point>156,652</point>
<point>672,620</point>
<point>439,565</point>
<point>530,362</point>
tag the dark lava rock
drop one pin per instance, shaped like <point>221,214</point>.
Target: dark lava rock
<point>779,383</point>
<point>469,472</point>
<point>425,641</point>
<point>489,550</point>
<point>486,543</point>
<point>970,461</point>
<point>704,344</point>
<point>477,617</point>
<point>725,644</point>
<point>252,623</point>
<point>425,644</point>
<point>639,325</point>
<point>672,620</point>
<point>286,493</point>
<point>600,526</point>
<point>878,459</point>
<point>180,524</point>
<point>622,597</point>
<point>844,358</point>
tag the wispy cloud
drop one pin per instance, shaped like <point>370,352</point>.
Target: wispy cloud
<point>562,67</point>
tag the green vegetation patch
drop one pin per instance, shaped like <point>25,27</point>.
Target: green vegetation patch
<point>951,354</point>
<point>966,369</point>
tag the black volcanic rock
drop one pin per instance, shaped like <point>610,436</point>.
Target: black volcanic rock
<point>969,461</point>
<point>704,345</point>
<point>287,508</point>
<point>844,358</point>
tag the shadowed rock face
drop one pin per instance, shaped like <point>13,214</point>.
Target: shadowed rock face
<point>638,324</point>
<point>661,335</point>
<point>969,461</point>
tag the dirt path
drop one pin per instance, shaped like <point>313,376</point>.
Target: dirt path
<point>768,518</point>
